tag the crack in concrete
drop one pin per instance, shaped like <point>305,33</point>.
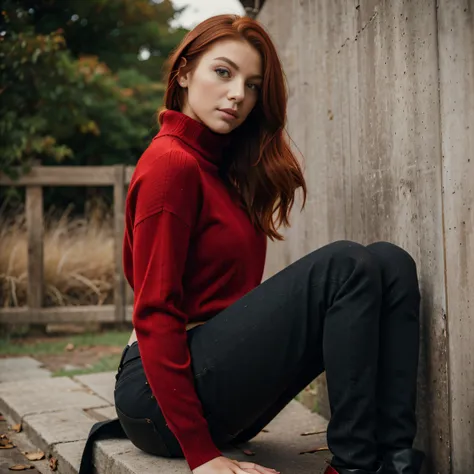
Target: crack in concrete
<point>91,392</point>
<point>356,37</point>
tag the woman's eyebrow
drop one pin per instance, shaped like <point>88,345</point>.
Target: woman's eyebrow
<point>229,61</point>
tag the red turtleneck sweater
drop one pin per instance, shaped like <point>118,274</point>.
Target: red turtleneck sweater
<point>189,252</point>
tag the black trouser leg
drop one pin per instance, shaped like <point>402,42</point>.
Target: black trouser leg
<point>399,346</point>
<point>398,355</point>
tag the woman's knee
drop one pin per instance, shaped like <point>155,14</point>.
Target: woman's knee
<point>348,249</point>
<point>348,254</point>
<point>394,259</point>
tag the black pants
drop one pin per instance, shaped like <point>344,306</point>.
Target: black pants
<point>348,309</point>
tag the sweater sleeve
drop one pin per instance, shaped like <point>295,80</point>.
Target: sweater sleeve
<point>160,247</point>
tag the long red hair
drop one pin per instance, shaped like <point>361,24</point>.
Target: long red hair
<point>259,162</point>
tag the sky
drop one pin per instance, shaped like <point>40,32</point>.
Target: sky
<point>199,10</point>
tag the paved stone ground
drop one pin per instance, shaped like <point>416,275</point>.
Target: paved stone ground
<point>57,413</point>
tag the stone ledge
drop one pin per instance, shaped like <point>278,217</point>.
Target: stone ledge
<point>102,384</point>
<point>65,426</point>
<point>57,415</point>
<point>21,368</point>
<point>30,397</point>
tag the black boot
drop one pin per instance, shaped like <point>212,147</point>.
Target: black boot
<point>403,461</point>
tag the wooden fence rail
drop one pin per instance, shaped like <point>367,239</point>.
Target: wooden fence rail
<point>117,176</point>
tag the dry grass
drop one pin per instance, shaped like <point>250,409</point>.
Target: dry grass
<point>78,261</point>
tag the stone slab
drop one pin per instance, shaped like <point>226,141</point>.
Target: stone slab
<point>18,399</point>
<point>121,457</point>
<point>19,363</point>
<point>58,413</point>
<point>279,448</point>
<point>14,369</point>
<point>102,384</point>
<point>102,414</point>
<point>69,456</point>
<point>46,429</point>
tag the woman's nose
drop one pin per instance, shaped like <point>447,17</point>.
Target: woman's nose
<point>237,91</point>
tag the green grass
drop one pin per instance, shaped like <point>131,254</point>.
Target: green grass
<point>105,364</point>
<point>18,347</point>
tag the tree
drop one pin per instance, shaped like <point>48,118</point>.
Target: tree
<point>73,89</point>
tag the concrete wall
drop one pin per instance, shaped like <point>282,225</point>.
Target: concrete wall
<point>456,60</point>
<point>381,108</point>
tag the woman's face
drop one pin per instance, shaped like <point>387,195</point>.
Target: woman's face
<point>223,88</point>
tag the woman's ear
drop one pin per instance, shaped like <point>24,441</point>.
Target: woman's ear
<point>182,74</point>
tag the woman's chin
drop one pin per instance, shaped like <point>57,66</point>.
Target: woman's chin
<point>220,126</point>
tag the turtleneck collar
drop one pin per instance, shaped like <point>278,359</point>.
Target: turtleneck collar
<point>208,144</point>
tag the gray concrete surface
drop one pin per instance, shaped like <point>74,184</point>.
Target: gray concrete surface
<point>102,384</point>
<point>58,413</point>
<point>46,429</point>
<point>28,397</point>
<point>68,456</point>
<point>21,368</point>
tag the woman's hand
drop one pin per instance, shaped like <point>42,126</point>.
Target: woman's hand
<point>222,465</point>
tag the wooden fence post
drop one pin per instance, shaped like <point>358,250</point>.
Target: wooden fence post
<point>34,228</point>
<point>119,225</point>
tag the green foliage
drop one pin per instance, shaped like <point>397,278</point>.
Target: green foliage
<point>73,89</point>
<point>20,347</point>
<point>108,363</point>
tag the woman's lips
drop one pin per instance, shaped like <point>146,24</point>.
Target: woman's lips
<point>228,114</point>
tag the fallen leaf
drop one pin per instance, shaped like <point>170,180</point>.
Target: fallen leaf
<point>7,446</point>
<point>2,418</point>
<point>69,347</point>
<point>248,452</point>
<point>315,450</point>
<point>310,433</point>
<point>17,427</point>
<point>35,456</point>
<point>53,464</point>
<point>20,467</point>
<point>4,440</point>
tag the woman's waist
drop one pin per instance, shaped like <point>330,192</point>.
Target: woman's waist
<point>133,336</point>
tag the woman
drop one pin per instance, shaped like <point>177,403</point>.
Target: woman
<point>215,355</point>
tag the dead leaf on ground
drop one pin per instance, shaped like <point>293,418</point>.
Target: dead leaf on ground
<point>315,450</point>
<point>53,464</point>
<point>69,347</point>
<point>2,418</point>
<point>34,456</point>
<point>17,427</point>
<point>20,467</point>
<point>5,443</point>
<point>311,433</point>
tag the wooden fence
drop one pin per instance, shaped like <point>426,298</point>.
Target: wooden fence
<point>117,176</point>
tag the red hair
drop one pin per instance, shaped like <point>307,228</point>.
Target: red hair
<point>259,162</point>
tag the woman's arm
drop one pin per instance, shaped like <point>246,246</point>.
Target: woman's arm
<point>162,208</point>
<point>160,248</point>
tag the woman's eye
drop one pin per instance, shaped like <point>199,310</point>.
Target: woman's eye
<point>254,87</point>
<point>222,72</point>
